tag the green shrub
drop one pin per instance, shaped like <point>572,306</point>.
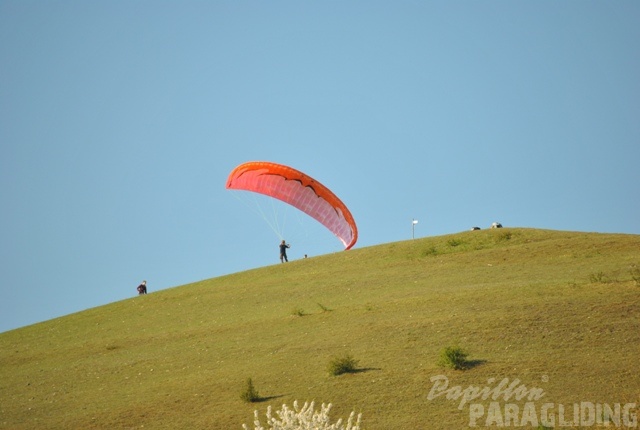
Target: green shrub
<point>453,357</point>
<point>597,278</point>
<point>503,237</point>
<point>635,274</point>
<point>324,308</point>
<point>431,251</point>
<point>249,394</point>
<point>506,236</point>
<point>343,364</point>
<point>298,312</point>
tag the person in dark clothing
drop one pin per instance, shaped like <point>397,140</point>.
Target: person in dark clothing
<point>283,251</point>
<point>142,288</point>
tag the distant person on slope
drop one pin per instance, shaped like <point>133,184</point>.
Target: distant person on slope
<point>283,251</point>
<point>142,288</point>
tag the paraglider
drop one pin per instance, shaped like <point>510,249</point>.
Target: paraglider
<point>298,190</point>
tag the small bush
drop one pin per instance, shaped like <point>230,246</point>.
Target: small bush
<point>453,358</point>
<point>430,251</point>
<point>455,242</point>
<point>635,274</point>
<point>597,278</point>
<point>324,308</point>
<point>304,418</point>
<point>344,364</point>
<point>249,394</point>
<point>298,312</point>
<point>503,237</point>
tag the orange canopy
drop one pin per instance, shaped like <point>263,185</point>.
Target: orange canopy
<point>299,190</point>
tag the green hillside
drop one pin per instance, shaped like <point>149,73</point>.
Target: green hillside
<point>559,311</point>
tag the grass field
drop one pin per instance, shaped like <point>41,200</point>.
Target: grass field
<point>558,311</point>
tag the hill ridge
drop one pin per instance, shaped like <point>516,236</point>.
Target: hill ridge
<point>526,303</point>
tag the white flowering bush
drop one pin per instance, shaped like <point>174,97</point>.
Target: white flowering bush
<point>304,418</point>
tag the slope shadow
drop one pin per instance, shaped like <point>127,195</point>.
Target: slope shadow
<point>470,364</point>
<point>363,369</point>
<point>267,398</point>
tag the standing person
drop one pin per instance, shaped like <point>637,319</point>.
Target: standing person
<point>283,251</point>
<point>142,288</point>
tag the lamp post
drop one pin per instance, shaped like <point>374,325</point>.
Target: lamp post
<point>413,228</point>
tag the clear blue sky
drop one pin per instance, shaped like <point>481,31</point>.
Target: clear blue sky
<point>120,121</point>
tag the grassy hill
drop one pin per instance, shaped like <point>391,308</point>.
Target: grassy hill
<point>559,311</point>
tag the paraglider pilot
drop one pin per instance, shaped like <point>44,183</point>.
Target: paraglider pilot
<point>283,251</point>
<point>142,288</point>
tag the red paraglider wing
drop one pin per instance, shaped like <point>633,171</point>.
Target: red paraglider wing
<point>299,190</point>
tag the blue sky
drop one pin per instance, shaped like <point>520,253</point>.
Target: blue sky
<point>120,121</point>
